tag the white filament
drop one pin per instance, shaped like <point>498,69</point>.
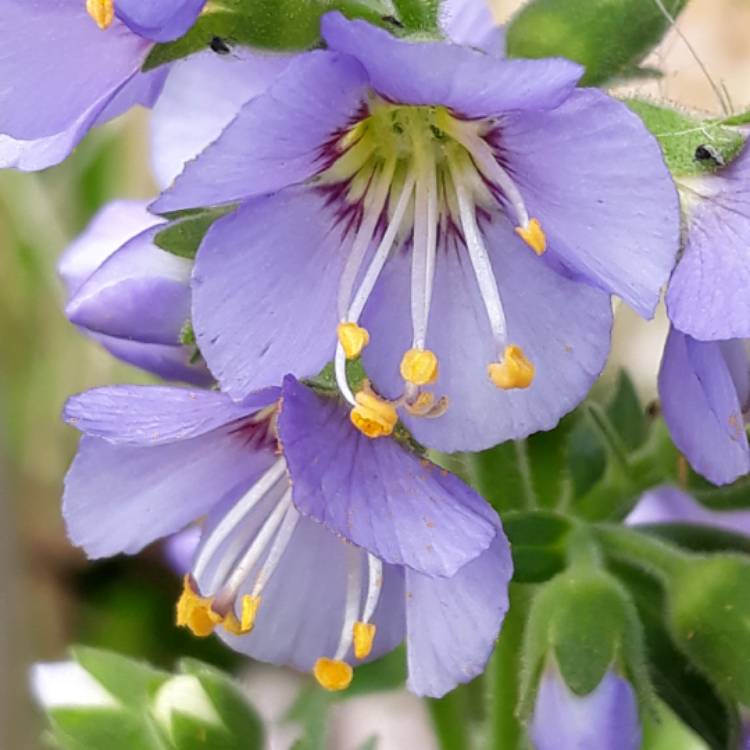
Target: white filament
<point>353,597</point>
<point>280,543</point>
<point>485,160</point>
<point>243,506</point>
<point>259,544</point>
<point>480,260</point>
<point>374,586</point>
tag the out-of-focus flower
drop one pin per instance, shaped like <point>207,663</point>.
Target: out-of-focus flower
<point>321,548</point>
<point>605,718</point>
<point>449,228</point>
<point>70,65</point>
<point>129,295</point>
<point>669,504</point>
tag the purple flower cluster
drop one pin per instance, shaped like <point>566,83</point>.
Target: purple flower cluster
<point>456,220</point>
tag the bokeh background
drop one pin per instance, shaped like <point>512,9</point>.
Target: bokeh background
<point>49,595</point>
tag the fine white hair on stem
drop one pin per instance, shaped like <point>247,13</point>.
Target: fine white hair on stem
<point>724,103</point>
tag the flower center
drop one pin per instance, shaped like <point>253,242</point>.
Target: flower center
<point>417,175</point>
<point>102,11</point>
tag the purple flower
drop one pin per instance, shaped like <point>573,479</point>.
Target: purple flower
<point>708,295</point>
<point>69,65</point>
<point>129,295</point>
<point>704,387</point>
<point>669,504</point>
<point>320,548</point>
<point>605,718</point>
<point>404,195</point>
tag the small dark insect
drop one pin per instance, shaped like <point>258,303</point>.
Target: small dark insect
<point>219,46</point>
<point>709,153</point>
<point>393,21</point>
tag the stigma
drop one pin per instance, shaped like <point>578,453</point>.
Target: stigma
<point>102,12</point>
<point>423,179</point>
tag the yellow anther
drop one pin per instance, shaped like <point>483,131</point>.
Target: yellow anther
<point>514,371</point>
<point>421,404</point>
<point>194,611</point>
<point>333,674</point>
<point>372,416</point>
<point>102,11</point>
<point>364,635</point>
<point>533,235</point>
<point>250,606</point>
<point>419,366</point>
<point>353,339</point>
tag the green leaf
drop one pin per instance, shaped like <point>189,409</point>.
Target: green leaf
<point>184,236</point>
<point>680,135</point>
<point>265,24</point>
<point>130,681</point>
<point>501,476</point>
<point>699,538</point>
<point>626,413</point>
<point>608,37</point>
<point>386,673</point>
<point>418,15</point>
<point>735,496</point>
<point>709,618</point>
<point>538,543</point>
<point>100,728</point>
<point>675,679</point>
<point>547,456</point>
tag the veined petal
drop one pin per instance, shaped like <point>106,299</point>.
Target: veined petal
<point>143,415</point>
<point>160,21</point>
<point>278,138</point>
<point>605,718</point>
<point>202,94</point>
<point>140,292</point>
<point>374,492</point>
<point>52,66</point>
<point>119,498</point>
<point>562,326</point>
<point>110,229</point>
<point>470,22</point>
<point>168,362</point>
<point>708,294</point>
<point>595,178</point>
<point>702,409</point>
<point>264,291</point>
<point>468,81</point>
<point>453,623</point>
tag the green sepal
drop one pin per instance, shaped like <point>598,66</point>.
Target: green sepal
<point>418,15</point>
<point>538,543</point>
<point>183,236</point>
<point>676,681</point>
<point>281,25</point>
<point>681,134</point>
<point>608,37</point>
<point>708,605</point>
<point>584,620</point>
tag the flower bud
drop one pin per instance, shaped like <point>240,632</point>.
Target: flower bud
<point>67,684</point>
<point>183,694</point>
<point>607,717</point>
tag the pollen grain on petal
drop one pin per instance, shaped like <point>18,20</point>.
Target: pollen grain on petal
<point>514,371</point>
<point>363,638</point>
<point>102,11</point>
<point>533,235</point>
<point>419,366</point>
<point>353,339</point>
<point>333,674</point>
<point>373,416</point>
